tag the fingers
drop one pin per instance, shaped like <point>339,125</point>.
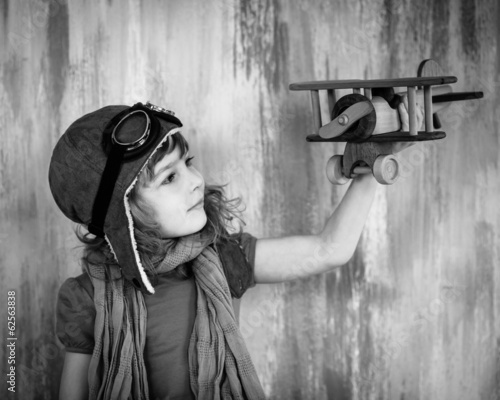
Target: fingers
<point>405,101</point>
<point>420,116</point>
<point>403,113</point>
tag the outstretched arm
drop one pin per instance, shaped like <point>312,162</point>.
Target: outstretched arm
<point>286,258</point>
<point>292,257</point>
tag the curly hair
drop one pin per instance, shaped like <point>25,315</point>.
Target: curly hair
<point>152,248</point>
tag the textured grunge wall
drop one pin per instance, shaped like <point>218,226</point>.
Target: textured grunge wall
<point>414,315</point>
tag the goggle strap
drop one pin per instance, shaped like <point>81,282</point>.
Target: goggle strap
<point>105,191</point>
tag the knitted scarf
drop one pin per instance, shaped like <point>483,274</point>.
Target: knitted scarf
<point>219,363</point>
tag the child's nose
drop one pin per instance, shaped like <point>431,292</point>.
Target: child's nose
<point>196,179</point>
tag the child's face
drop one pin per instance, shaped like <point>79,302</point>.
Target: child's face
<point>172,194</point>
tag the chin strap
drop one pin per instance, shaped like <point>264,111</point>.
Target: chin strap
<point>105,191</point>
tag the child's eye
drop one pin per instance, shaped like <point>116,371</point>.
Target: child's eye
<point>169,179</point>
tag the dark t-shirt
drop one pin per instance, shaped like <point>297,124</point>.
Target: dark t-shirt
<point>171,314</point>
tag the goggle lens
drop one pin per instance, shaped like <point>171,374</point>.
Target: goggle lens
<point>132,131</point>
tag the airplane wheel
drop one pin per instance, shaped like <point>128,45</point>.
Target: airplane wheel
<point>334,171</point>
<point>386,169</point>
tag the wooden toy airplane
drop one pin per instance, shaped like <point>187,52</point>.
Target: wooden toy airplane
<point>370,123</point>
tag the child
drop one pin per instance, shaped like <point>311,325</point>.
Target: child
<point>155,313</point>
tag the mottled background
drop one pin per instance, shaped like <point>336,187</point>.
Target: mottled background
<point>414,315</point>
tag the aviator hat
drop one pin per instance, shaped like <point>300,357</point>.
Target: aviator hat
<point>95,165</point>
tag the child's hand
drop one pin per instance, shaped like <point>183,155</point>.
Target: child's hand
<point>403,114</point>
<point>405,122</point>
